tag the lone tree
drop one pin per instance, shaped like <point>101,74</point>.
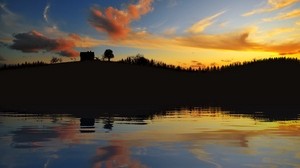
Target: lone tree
<point>108,54</point>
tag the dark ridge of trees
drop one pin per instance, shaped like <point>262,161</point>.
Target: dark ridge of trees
<point>254,64</point>
<point>139,59</point>
<point>23,65</point>
<point>237,66</point>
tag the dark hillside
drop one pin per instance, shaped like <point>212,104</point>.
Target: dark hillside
<point>95,85</point>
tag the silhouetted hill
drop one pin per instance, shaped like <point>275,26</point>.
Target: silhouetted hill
<point>88,86</point>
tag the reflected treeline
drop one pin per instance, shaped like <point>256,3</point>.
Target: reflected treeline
<point>266,113</point>
<point>34,136</point>
<point>142,117</point>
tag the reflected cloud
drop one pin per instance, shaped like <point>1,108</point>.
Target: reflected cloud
<point>117,154</point>
<point>207,136</point>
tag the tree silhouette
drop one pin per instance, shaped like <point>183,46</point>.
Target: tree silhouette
<point>108,54</point>
<point>55,60</point>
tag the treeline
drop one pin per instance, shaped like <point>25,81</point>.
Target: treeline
<point>271,63</point>
<point>141,60</point>
<point>262,63</point>
<point>23,65</point>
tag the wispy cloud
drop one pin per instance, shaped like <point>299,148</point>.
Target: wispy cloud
<point>201,25</point>
<point>116,22</point>
<point>229,41</point>
<point>11,22</point>
<point>278,31</point>
<point>224,24</point>
<point>34,41</point>
<point>272,5</point>
<point>196,64</point>
<point>8,18</point>
<point>5,9</point>
<point>284,16</point>
<point>84,41</point>
<point>45,13</point>
<point>170,31</point>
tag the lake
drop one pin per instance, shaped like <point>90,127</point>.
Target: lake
<point>187,137</point>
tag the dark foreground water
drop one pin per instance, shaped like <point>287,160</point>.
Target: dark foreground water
<point>176,138</point>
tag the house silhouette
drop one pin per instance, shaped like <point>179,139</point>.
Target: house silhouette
<point>87,56</point>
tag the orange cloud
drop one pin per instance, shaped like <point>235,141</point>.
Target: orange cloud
<point>284,16</point>
<point>238,41</point>
<point>201,25</point>
<point>289,48</point>
<point>230,41</point>
<point>272,6</point>
<point>243,40</point>
<point>83,41</point>
<point>278,31</point>
<point>117,22</point>
<point>34,41</point>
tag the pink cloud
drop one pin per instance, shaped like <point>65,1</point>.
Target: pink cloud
<point>34,41</point>
<point>116,22</point>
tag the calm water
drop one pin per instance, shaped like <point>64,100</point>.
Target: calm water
<point>176,138</point>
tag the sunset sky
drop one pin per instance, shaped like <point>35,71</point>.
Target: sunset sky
<point>179,32</point>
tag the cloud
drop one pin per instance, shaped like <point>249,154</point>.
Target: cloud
<point>9,21</point>
<point>289,48</point>
<point>278,31</point>
<point>34,41</point>
<point>5,9</point>
<point>116,154</point>
<point>170,31</point>
<point>196,64</point>
<point>201,25</point>
<point>272,6</point>
<point>284,16</point>
<point>224,24</point>
<point>229,41</point>
<point>116,22</point>
<point>227,60</point>
<point>84,41</point>
<point>45,13</point>
<point>238,40</point>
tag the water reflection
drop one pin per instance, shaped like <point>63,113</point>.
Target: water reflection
<point>87,125</point>
<point>196,137</point>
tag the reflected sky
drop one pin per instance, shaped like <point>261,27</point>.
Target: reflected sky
<point>179,138</point>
